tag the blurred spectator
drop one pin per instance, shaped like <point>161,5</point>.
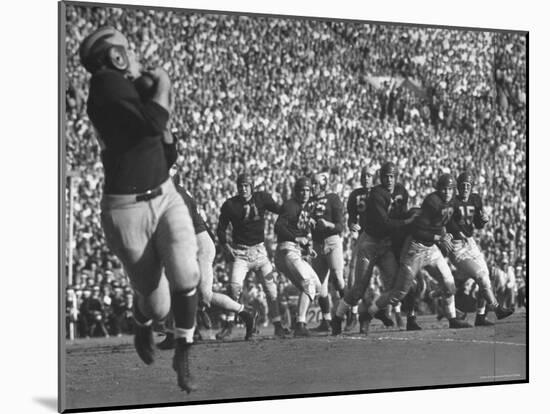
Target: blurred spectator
<point>93,314</point>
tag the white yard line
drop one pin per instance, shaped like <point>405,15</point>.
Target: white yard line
<point>397,338</point>
<point>501,376</point>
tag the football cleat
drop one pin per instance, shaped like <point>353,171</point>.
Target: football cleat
<point>481,320</point>
<point>455,323</point>
<point>502,313</point>
<point>383,316</point>
<point>364,322</point>
<point>248,320</point>
<point>144,343</point>
<point>280,331</point>
<point>412,325</point>
<point>168,342</point>
<point>323,326</point>
<point>461,315</point>
<point>180,364</point>
<point>301,330</point>
<point>336,325</point>
<point>226,331</point>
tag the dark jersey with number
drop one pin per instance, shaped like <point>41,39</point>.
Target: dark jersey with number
<point>357,206</point>
<point>130,132</point>
<point>466,217</point>
<point>330,208</point>
<point>246,217</point>
<point>434,216</point>
<point>385,211</point>
<point>293,221</point>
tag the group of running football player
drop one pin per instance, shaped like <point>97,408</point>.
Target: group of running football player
<point>401,244</point>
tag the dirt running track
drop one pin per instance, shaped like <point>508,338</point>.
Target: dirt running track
<point>108,373</point>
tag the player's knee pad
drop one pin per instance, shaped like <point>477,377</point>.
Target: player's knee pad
<point>308,286</point>
<point>190,282</point>
<point>323,290</point>
<point>270,286</point>
<point>338,279</point>
<point>482,279</point>
<point>160,311</point>
<point>235,291</point>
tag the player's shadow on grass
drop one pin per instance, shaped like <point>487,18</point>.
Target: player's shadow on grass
<point>48,402</point>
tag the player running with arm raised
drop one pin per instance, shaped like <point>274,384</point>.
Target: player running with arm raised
<point>246,214</point>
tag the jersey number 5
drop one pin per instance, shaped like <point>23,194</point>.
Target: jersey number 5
<point>361,204</point>
<point>467,213</point>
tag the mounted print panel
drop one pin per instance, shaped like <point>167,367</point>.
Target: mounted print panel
<point>263,207</point>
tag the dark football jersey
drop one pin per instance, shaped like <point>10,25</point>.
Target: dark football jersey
<point>330,208</point>
<point>466,216</point>
<point>434,216</point>
<point>246,217</point>
<point>293,221</point>
<point>130,133</point>
<point>357,206</point>
<point>385,211</point>
<point>198,222</point>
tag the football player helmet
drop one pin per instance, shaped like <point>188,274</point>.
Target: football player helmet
<point>97,50</point>
<point>445,181</point>
<point>388,168</point>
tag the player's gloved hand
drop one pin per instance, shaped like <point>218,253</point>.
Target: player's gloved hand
<point>355,227</point>
<point>161,78</point>
<point>302,241</point>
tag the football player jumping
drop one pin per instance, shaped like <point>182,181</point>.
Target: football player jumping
<point>465,254</point>
<point>247,252</point>
<point>292,229</point>
<point>327,212</point>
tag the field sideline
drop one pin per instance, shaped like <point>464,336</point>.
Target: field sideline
<point>106,372</point>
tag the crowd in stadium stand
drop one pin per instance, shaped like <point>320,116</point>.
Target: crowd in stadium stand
<point>287,97</point>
